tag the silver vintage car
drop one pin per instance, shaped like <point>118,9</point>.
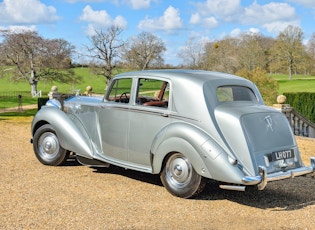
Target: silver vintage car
<point>186,125</point>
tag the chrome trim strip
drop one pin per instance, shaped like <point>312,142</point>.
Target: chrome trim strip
<point>263,178</point>
<point>147,110</point>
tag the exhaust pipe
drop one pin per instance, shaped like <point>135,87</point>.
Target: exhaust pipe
<point>233,187</point>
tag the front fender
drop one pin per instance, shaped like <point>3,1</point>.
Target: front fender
<point>71,137</point>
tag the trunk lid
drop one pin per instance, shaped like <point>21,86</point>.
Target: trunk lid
<point>258,135</point>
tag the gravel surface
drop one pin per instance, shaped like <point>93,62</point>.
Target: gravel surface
<point>34,196</point>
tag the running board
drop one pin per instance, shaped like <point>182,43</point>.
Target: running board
<point>92,162</point>
<point>233,187</point>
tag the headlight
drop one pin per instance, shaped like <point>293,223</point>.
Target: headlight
<point>54,103</point>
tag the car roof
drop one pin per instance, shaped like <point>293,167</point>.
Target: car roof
<point>181,74</point>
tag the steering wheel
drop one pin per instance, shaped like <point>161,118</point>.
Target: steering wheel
<point>124,98</point>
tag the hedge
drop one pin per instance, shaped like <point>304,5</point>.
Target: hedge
<point>304,103</point>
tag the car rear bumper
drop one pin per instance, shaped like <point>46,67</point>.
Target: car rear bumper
<point>263,178</point>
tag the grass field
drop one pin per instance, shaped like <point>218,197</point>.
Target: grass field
<point>87,79</point>
<point>299,83</point>
<point>9,90</point>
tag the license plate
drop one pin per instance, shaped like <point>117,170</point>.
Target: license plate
<point>282,155</point>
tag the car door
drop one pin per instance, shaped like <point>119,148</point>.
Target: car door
<point>148,116</point>
<point>114,121</point>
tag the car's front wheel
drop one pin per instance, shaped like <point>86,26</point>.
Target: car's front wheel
<point>47,147</point>
<point>180,178</point>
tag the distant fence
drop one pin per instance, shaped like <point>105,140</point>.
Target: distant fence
<point>10,99</point>
<point>15,94</point>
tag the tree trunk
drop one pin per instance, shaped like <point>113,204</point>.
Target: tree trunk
<point>290,69</point>
<point>34,89</point>
<point>290,73</point>
<point>33,82</point>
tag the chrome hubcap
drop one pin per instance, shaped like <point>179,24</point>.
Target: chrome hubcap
<point>48,145</point>
<point>179,170</point>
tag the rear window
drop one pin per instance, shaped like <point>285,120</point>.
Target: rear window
<point>235,93</point>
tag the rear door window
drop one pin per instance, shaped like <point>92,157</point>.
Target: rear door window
<point>153,92</point>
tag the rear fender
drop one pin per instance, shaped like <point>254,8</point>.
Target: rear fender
<point>71,137</point>
<point>207,157</point>
<point>183,138</point>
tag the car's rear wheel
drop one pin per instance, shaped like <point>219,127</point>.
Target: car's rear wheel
<point>47,147</point>
<point>180,178</point>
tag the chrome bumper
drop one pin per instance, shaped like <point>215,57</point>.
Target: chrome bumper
<point>263,178</point>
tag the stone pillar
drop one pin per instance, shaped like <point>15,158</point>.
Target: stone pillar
<point>281,106</point>
<point>88,91</point>
<point>53,92</point>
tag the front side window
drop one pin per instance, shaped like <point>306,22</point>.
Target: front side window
<point>120,91</point>
<point>235,93</point>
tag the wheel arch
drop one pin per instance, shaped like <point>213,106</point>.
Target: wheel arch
<point>183,138</point>
<point>71,137</point>
<point>37,125</point>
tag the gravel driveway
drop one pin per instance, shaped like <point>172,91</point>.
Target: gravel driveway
<point>34,196</point>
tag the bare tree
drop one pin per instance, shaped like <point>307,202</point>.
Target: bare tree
<point>144,51</point>
<point>105,49</point>
<point>58,53</point>
<point>28,56</point>
<point>289,50</point>
<point>21,50</point>
<point>221,55</point>
<point>253,51</point>
<point>192,53</point>
<point>311,53</point>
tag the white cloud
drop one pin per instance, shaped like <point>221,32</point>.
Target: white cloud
<point>307,3</point>
<point>236,32</point>
<point>226,10</point>
<point>170,21</point>
<point>254,31</point>
<point>195,18</point>
<point>26,12</point>
<point>17,29</point>
<point>273,17</point>
<point>100,19</point>
<point>139,4</point>
<point>96,17</point>
<point>134,4</point>
<point>74,1</point>
<point>270,12</point>
<point>208,22</point>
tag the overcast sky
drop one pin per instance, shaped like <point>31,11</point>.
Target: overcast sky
<point>173,21</point>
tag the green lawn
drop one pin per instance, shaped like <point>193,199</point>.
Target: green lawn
<point>87,79</point>
<point>9,90</point>
<point>14,114</point>
<point>299,83</point>
<point>294,77</point>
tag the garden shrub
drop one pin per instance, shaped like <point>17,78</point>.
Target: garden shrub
<point>304,103</point>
